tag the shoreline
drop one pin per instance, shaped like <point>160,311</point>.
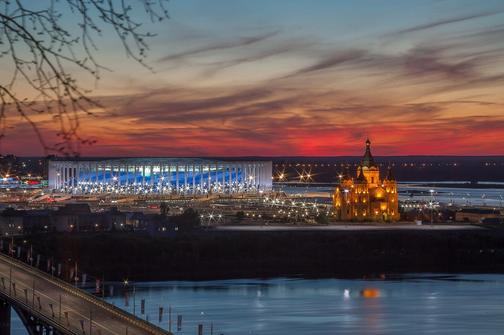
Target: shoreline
<point>320,254</point>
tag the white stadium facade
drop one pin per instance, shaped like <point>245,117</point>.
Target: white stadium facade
<point>159,176</point>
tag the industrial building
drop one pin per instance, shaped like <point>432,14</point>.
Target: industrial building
<point>159,176</point>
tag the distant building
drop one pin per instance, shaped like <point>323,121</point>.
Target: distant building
<point>367,197</point>
<point>145,176</point>
<point>478,215</point>
<point>78,218</point>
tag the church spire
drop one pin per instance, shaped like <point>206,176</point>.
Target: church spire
<point>368,159</point>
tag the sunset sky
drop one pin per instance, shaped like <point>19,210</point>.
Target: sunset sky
<point>274,78</point>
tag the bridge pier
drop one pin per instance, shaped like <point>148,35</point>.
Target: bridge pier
<point>5,317</point>
<point>35,326</point>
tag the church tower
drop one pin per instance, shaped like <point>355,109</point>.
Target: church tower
<point>369,168</point>
<point>367,197</point>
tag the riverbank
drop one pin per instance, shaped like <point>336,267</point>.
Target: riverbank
<point>254,254</point>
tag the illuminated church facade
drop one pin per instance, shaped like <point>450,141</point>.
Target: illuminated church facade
<point>367,197</point>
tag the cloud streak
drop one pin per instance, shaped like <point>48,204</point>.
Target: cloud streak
<point>445,22</point>
<point>219,46</point>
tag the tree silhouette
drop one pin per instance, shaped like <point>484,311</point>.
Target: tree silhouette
<point>40,51</point>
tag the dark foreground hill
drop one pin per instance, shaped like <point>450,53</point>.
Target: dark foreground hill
<point>217,255</point>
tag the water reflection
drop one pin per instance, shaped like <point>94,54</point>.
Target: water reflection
<point>437,304</point>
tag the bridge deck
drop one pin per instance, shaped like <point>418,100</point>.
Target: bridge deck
<point>78,304</point>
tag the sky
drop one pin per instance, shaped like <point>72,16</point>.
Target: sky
<point>299,77</point>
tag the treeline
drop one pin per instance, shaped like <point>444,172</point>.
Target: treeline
<point>217,255</point>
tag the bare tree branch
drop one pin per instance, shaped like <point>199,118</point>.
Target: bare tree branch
<point>41,49</point>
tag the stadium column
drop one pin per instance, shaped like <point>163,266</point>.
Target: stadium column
<point>168,178</point>
<point>259,175</point>
<point>234,174</point>
<point>216,180</point>
<point>177,177</point>
<point>193,179</point>
<point>255,175</point>
<point>267,178</point>
<point>83,171</point>
<point>237,176</point>
<point>231,172</point>
<point>201,177</point>
<point>69,177</point>
<point>119,166</point>
<point>58,173</point>
<point>224,171</point>
<point>63,175</point>
<point>96,172</point>
<point>240,174</point>
<point>161,178</point>
<point>209,166</point>
<point>135,177</point>
<point>237,179</point>
<point>152,174</point>
<point>143,175</point>
<point>126,174</point>
<point>185,177</point>
<point>63,172</point>
<point>245,174</point>
<point>83,175</point>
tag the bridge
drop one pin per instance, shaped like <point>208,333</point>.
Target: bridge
<point>50,306</point>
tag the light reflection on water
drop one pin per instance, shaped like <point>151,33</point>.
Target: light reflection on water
<point>465,304</point>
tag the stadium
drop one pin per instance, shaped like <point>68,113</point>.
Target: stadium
<point>159,176</point>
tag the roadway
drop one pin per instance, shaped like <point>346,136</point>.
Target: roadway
<point>349,227</point>
<point>72,308</point>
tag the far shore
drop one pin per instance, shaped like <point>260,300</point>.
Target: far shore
<point>362,251</point>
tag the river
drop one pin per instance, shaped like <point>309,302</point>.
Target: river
<point>415,304</point>
<point>421,191</point>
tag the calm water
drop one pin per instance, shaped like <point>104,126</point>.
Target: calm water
<point>416,191</point>
<point>465,304</point>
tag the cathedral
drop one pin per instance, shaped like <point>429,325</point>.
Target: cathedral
<point>367,197</point>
